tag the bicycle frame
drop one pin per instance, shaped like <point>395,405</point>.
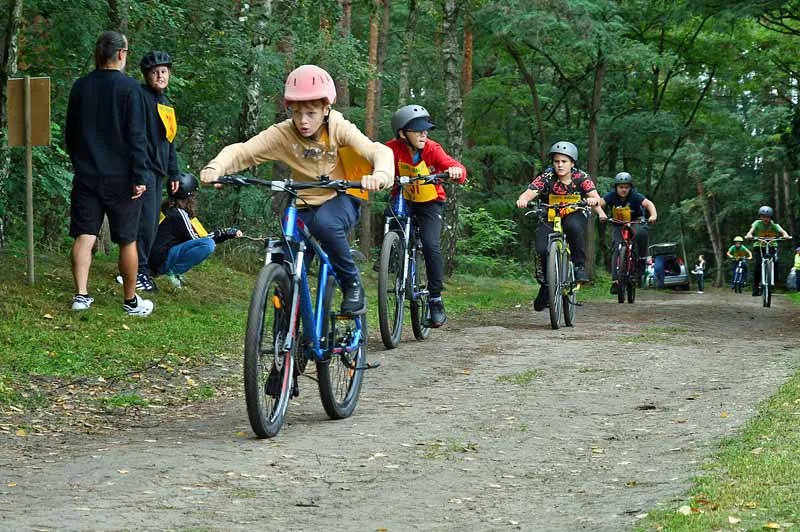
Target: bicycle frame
<point>768,259</point>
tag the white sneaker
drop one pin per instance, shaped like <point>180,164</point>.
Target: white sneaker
<point>80,302</point>
<point>142,308</point>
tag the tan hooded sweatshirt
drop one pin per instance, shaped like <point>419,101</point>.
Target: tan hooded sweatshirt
<point>307,158</point>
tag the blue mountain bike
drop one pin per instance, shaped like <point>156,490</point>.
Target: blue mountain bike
<point>401,269</point>
<point>287,327</point>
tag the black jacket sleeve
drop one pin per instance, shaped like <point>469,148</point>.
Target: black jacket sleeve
<point>137,136</point>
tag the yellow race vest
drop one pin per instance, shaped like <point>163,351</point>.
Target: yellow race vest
<point>198,227</point>
<point>355,167</point>
<point>560,199</point>
<point>621,213</point>
<point>417,192</point>
<point>167,115</point>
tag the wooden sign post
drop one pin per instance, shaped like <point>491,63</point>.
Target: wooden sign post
<point>29,125</point>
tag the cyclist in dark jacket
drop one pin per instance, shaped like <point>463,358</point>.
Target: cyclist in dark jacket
<point>627,205</point>
<point>162,126</point>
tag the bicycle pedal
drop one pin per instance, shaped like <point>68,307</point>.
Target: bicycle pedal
<point>369,365</point>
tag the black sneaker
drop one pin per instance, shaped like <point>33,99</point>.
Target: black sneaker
<point>540,303</point>
<point>353,298</point>
<point>145,282</point>
<point>438,316</point>
<point>580,275</point>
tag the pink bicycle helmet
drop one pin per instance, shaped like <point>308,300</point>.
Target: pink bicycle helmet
<point>307,83</point>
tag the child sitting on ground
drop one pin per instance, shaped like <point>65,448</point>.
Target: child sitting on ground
<point>182,242</point>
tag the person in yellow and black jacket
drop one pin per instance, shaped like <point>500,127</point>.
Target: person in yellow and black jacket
<point>182,242</point>
<point>416,154</point>
<point>162,162</point>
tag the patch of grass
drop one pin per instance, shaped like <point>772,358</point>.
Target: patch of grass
<point>43,340</point>
<point>520,379</point>
<point>753,477</point>
<point>205,391</point>
<point>447,450</point>
<point>124,400</point>
<point>655,334</point>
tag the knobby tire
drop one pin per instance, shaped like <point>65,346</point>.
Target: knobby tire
<point>419,305</point>
<point>391,290</point>
<point>554,282</point>
<point>267,327</point>
<point>341,375</point>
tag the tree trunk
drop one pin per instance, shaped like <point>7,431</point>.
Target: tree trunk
<point>776,194</point>
<point>251,106</point>
<point>593,159</point>
<point>118,15</point>
<point>787,198</point>
<point>405,60</point>
<point>466,67</point>
<point>530,80</point>
<point>370,118</point>
<point>345,28</point>
<point>711,223</point>
<point>455,123</point>
<point>9,68</point>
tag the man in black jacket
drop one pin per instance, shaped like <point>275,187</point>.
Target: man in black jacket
<point>105,137</point>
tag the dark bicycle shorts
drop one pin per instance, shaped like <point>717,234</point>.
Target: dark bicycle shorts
<point>93,197</point>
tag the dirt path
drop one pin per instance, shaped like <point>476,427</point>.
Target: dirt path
<point>500,425</point>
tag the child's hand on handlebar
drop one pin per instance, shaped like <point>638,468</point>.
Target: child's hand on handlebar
<point>371,182</point>
<point>455,173</point>
<point>209,174</point>
<point>525,198</point>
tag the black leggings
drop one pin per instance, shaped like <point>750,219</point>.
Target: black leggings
<point>429,217</point>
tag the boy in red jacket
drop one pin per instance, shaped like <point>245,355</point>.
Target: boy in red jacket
<point>416,154</point>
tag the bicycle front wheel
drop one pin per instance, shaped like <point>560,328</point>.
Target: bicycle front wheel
<point>268,368</point>
<point>622,281</point>
<point>419,296</point>
<point>554,260</point>
<point>341,374</point>
<point>391,290</point>
<point>569,298</point>
<point>766,286</point>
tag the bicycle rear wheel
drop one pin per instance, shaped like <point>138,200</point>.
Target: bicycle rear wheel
<point>419,297</point>
<point>341,374</point>
<point>268,369</point>
<point>569,298</point>
<point>391,290</point>
<point>554,282</point>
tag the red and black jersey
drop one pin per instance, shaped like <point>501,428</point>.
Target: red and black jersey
<point>548,183</point>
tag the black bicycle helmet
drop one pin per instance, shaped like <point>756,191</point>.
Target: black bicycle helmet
<point>187,186</point>
<point>766,211</point>
<point>623,178</point>
<point>154,59</point>
<point>565,148</point>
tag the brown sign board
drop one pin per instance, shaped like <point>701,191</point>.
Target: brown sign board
<point>40,111</point>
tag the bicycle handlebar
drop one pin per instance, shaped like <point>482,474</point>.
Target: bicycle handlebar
<point>288,184</point>
<point>428,179</point>
<point>629,222</point>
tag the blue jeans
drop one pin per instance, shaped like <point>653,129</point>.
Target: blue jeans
<point>183,257</point>
<point>330,223</point>
<point>659,271</point>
